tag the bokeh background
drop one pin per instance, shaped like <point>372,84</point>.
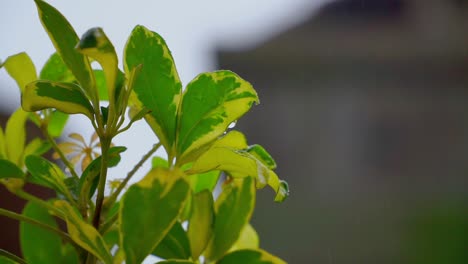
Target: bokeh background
<point>364,105</point>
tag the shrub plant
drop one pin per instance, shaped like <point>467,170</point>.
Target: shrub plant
<point>171,213</point>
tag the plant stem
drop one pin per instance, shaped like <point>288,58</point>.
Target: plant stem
<point>130,174</point>
<point>26,219</point>
<point>12,256</point>
<point>34,199</point>
<point>105,145</point>
<point>62,156</point>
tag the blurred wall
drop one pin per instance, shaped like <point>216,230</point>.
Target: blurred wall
<point>365,108</point>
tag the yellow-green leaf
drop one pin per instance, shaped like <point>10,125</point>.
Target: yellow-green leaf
<point>176,261</point>
<point>66,97</point>
<point>55,70</point>
<point>234,208</point>
<point>201,222</point>
<point>21,69</point>
<point>46,173</point>
<point>15,136</point>
<point>175,244</point>
<point>231,154</point>
<point>250,256</point>
<point>157,86</point>
<point>248,239</point>
<point>83,233</point>
<point>64,38</point>
<point>95,44</point>
<point>37,146</point>
<point>210,103</point>
<point>149,209</point>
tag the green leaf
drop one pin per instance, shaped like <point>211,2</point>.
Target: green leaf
<point>9,170</point>
<point>56,70</point>
<point>262,155</point>
<point>101,85</point>
<point>50,248</point>
<point>5,260</point>
<point>248,239</point>
<point>21,69</point>
<point>210,103</point>
<point>176,261</point>
<point>201,222</point>
<point>37,146</point>
<point>157,85</point>
<point>148,211</point>
<point>175,244</point>
<point>234,208</point>
<point>231,154</point>
<point>3,152</point>
<point>66,97</point>
<point>84,234</point>
<point>47,174</point>
<point>57,122</point>
<point>90,176</point>
<point>204,181</point>
<point>64,38</point>
<point>95,44</point>
<point>250,256</point>
<point>15,136</point>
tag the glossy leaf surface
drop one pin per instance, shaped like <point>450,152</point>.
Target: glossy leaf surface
<point>234,208</point>
<point>201,222</point>
<point>50,248</point>
<point>83,233</point>
<point>64,38</point>
<point>175,244</point>
<point>148,211</point>
<point>210,103</point>
<point>251,257</point>
<point>66,97</point>
<point>157,85</point>
<point>21,69</point>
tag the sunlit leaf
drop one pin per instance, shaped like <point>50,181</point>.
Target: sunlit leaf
<point>148,211</point>
<point>157,85</point>
<point>210,103</point>
<point>15,136</point>
<point>234,208</point>
<point>66,97</point>
<point>64,38</point>
<point>56,70</point>
<point>231,154</point>
<point>83,233</point>
<point>50,249</point>
<point>248,239</point>
<point>201,222</point>
<point>21,69</point>
<point>46,173</point>
<point>175,244</point>
<point>250,256</point>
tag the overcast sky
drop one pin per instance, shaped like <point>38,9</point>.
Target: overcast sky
<point>191,28</point>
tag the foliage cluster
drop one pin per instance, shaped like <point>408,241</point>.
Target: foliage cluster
<point>171,213</point>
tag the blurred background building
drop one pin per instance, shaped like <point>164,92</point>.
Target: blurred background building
<point>365,108</point>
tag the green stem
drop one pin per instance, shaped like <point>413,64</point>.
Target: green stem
<point>62,156</point>
<point>12,256</point>
<point>130,174</point>
<point>26,219</point>
<point>26,196</point>
<point>105,145</point>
